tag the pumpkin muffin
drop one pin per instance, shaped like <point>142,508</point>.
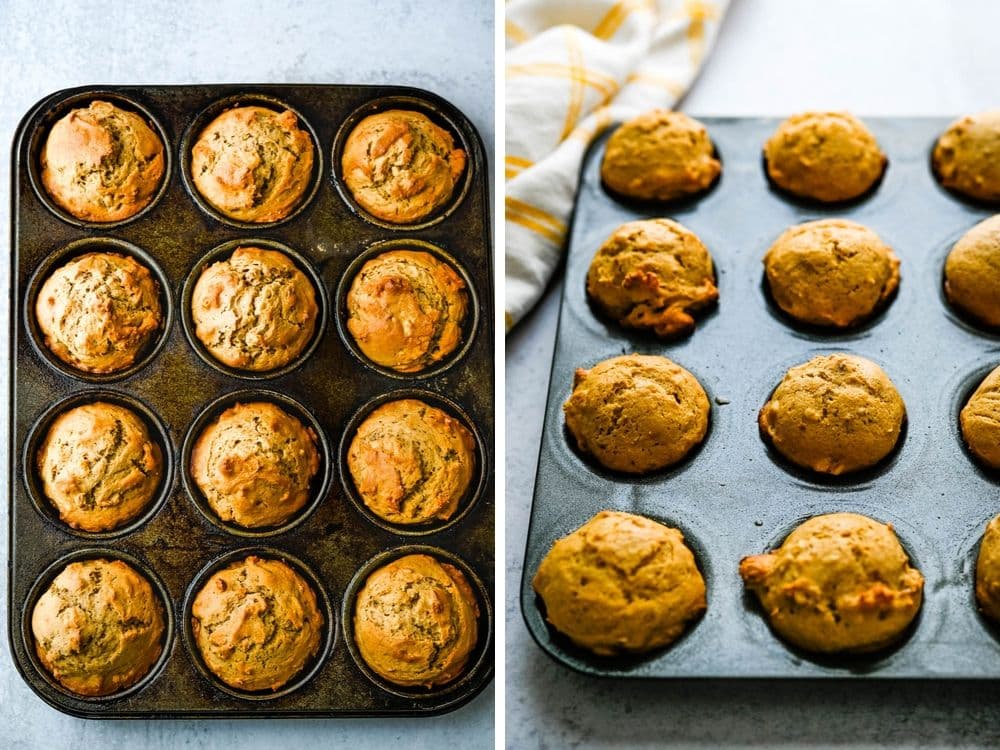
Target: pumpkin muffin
<point>102,163</point>
<point>653,274</point>
<point>98,628</point>
<point>827,156</point>
<point>660,155</point>
<point>965,156</point>
<point>98,466</point>
<point>637,413</point>
<point>980,421</point>
<point>839,583</point>
<point>401,167</point>
<point>99,311</point>
<point>620,583</point>
<point>988,571</point>
<point>972,273</point>
<point>415,622</point>
<point>411,463</point>
<point>256,624</point>
<point>253,164</point>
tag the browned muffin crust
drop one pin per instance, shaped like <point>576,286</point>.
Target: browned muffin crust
<point>965,156</point>
<point>980,421</point>
<point>988,571</point>
<point>972,273</point>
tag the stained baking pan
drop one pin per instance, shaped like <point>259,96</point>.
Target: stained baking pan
<point>735,497</point>
<point>176,387</point>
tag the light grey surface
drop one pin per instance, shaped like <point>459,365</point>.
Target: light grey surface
<point>442,45</point>
<point>772,57</point>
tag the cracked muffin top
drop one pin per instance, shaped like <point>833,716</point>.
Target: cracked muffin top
<point>415,621</point>
<point>972,273</point>
<point>980,421</point>
<point>254,464</point>
<point>965,156</point>
<point>99,311</point>
<point>98,466</point>
<point>988,571</point>
<point>256,624</point>
<point>102,163</point>
<point>253,164</point>
<point>401,167</point>
<point>255,310</point>
<point>99,627</point>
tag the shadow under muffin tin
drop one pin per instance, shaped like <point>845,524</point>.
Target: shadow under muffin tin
<point>176,388</point>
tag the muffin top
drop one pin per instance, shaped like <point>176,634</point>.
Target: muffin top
<point>965,156</point>
<point>256,624</point>
<point>253,164</point>
<point>415,621</point>
<point>405,310</point>
<point>637,413</point>
<point>255,310</point>
<point>988,571</point>
<point>99,311</point>
<point>98,466</point>
<point>653,275</point>
<point>254,464</point>
<point>826,156</point>
<point>831,272</point>
<point>838,583</point>
<point>400,167</point>
<point>411,463</point>
<point>972,273</point>
<point>98,627</point>
<point>620,583</point>
<point>980,421</point>
<point>660,155</point>
<point>102,163</point>
<point>834,414</point>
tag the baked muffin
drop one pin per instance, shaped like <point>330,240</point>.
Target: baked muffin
<point>253,164</point>
<point>102,163</point>
<point>980,421</point>
<point>405,310</point>
<point>256,624</point>
<point>98,627</point>
<point>255,310</point>
<point>653,275</point>
<point>411,463</point>
<point>831,272</point>
<point>834,414</point>
<point>637,413</point>
<point>988,571</point>
<point>99,311</point>
<point>839,583</point>
<point>826,156</point>
<point>660,155</point>
<point>254,464</point>
<point>415,622</point>
<point>401,167</point>
<point>98,466</point>
<point>972,273</point>
<point>965,156</point>
<point>620,583</point>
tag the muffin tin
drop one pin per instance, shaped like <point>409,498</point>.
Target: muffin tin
<point>735,496</point>
<point>175,388</point>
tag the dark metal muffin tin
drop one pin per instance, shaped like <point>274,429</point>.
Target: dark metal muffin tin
<point>177,543</point>
<point>735,496</point>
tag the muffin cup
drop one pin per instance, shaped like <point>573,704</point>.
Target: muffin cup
<point>960,394</point>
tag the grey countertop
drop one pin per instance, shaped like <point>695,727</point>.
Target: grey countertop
<point>445,46</point>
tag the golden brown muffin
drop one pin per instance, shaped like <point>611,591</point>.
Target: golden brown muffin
<point>831,272</point>
<point>988,571</point>
<point>827,156</point>
<point>99,627</point>
<point>411,463</point>
<point>965,156</point>
<point>102,163</point>
<point>405,310</point>
<point>660,155</point>
<point>254,463</point>
<point>637,413</point>
<point>980,420</point>
<point>98,466</point>
<point>834,414</point>
<point>839,583</point>
<point>415,622</point>
<point>256,624</point>
<point>253,164</point>
<point>620,583</point>
<point>254,311</point>
<point>972,272</point>
<point>653,274</point>
<point>401,167</point>
<point>99,311</point>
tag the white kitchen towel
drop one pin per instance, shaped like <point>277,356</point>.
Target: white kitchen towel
<point>573,68</point>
